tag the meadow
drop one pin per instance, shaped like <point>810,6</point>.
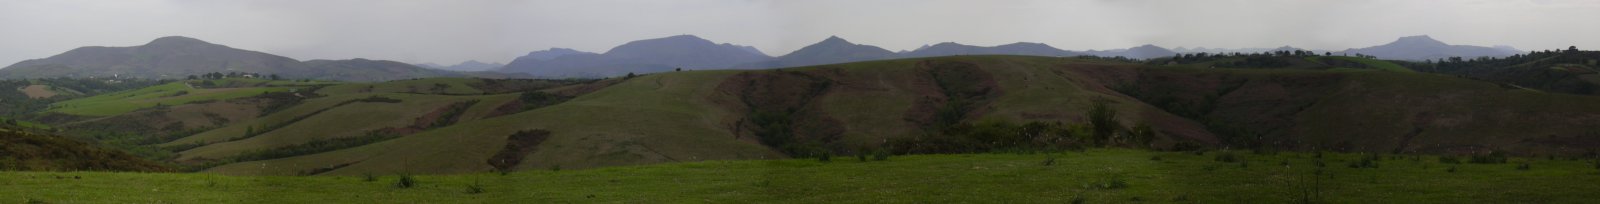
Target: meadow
<point>1092,176</point>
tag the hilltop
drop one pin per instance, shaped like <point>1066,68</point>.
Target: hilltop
<point>176,57</point>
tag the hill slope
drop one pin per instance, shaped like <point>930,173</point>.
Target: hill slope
<point>26,151</point>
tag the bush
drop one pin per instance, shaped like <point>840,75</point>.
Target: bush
<point>1115,182</point>
<point>1491,158</point>
<point>880,155</point>
<point>475,188</point>
<point>405,181</point>
<point>825,156</point>
<point>1368,161</point>
<point>1449,160</point>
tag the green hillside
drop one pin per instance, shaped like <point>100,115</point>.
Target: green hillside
<point>174,93</point>
<point>1094,176</point>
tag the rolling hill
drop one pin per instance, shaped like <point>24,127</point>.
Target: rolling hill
<point>357,128</point>
<point>176,57</point>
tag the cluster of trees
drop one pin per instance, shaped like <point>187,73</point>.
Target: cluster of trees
<point>220,75</point>
<point>1101,130</point>
<point>16,103</point>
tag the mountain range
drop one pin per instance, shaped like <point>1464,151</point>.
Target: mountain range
<point>698,53</point>
<point>1422,47</point>
<point>178,57</point>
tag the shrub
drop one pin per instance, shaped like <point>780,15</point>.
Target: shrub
<point>880,155</point>
<point>475,188</point>
<point>1449,160</point>
<point>1369,161</point>
<point>1491,158</point>
<point>406,181</point>
<point>1115,182</point>
<point>825,156</point>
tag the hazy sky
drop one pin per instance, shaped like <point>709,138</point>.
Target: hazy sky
<point>448,32</point>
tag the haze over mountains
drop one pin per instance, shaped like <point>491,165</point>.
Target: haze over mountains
<point>177,57</point>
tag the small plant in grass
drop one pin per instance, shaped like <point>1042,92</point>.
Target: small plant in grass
<point>555,167</point>
<point>1491,158</point>
<point>825,156</point>
<point>1077,200</point>
<point>1244,164</point>
<point>33,201</point>
<point>406,181</point>
<point>1452,169</point>
<point>1523,166</point>
<point>861,155</point>
<point>880,155</point>
<point>1155,158</point>
<point>475,188</point>
<point>368,177</point>
<point>1114,182</point>
<point>1368,161</point>
<point>1049,159</point>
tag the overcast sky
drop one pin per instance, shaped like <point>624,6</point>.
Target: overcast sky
<point>448,32</point>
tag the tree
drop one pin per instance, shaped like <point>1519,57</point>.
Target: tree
<point>630,76</point>
<point>192,77</point>
<point>274,77</point>
<point>1103,120</point>
<point>1572,49</point>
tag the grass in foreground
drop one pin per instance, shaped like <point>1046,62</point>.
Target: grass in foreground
<point>1095,176</point>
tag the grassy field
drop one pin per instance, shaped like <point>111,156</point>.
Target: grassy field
<point>1094,176</point>
<point>167,94</point>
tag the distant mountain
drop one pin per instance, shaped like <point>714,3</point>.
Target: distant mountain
<point>359,69</point>
<point>551,54</point>
<point>1235,50</point>
<point>467,66</point>
<point>1021,48</point>
<point>166,57</point>
<point>829,51</point>
<point>1141,52</point>
<point>643,56</point>
<point>1422,47</point>
<point>178,57</point>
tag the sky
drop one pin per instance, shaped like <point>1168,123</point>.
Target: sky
<point>452,31</point>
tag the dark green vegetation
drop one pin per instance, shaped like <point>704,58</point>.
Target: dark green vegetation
<point>26,151</point>
<point>1091,176</point>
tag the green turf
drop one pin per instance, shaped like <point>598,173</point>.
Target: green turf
<point>1177,177</point>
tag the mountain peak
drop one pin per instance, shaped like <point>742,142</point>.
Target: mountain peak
<point>834,39</point>
<point>1418,40</point>
<point>176,40</point>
